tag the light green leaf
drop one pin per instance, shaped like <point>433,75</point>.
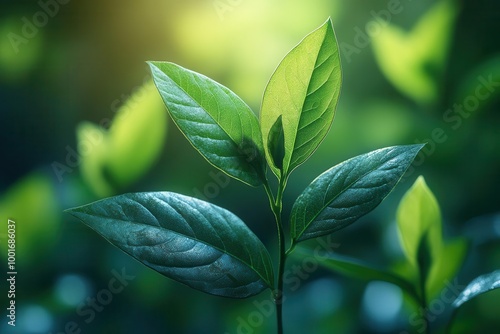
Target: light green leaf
<point>358,269</point>
<point>346,192</point>
<point>414,61</point>
<point>137,135</point>
<point>194,242</point>
<point>446,266</point>
<point>304,91</point>
<point>32,203</point>
<point>214,120</point>
<point>112,160</point>
<point>477,286</point>
<point>418,215</point>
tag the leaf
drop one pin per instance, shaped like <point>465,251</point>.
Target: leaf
<point>214,120</point>
<point>346,192</point>
<point>137,135</point>
<point>358,269</point>
<point>424,258</point>
<point>32,202</point>
<point>419,226</point>
<point>112,160</point>
<point>194,242</point>
<point>446,266</point>
<point>304,91</point>
<point>418,215</point>
<point>477,286</point>
<point>276,143</point>
<point>414,61</point>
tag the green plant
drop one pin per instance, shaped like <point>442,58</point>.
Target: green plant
<point>429,266</point>
<point>207,247</point>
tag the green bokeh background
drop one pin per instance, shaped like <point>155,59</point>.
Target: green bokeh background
<point>402,83</point>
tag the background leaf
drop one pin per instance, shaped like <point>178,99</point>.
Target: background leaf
<point>194,242</point>
<point>304,91</point>
<point>419,226</point>
<point>446,266</point>
<point>418,215</point>
<point>344,193</point>
<point>413,61</point>
<point>112,160</point>
<point>33,204</point>
<point>214,119</point>
<point>358,269</point>
<point>477,286</point>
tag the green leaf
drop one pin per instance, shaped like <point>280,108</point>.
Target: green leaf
<point>419,226</point>
<point>112,160</point>
<point>137,135</point>
<point>414,61</point>
<point>344,193</point>
<point>304,91</point>
<point>446,266</point>
<point>194,242</point>
<point>418,215</point>
<point>477,286</point>
<point>276,143</point>
<point>32,202</point>
<point>214,120</point>
<point>358,269</point>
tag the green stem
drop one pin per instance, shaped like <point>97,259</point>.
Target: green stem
<point>423,302</point>
<point>276,207</point>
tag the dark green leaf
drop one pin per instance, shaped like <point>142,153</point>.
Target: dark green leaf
<point>304,91</point>
<point>276,143</point>
<point>479,285</point>
<point>194,242</point>
<point>358,269</point>
<point>424,258</point>
<point>344,193</point>
<point>214,119</point>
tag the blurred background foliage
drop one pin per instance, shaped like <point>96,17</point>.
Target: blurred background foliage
<point>80,121</point>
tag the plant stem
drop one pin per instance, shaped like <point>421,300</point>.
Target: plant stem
<point>276,207</point>
<point>424,303</point>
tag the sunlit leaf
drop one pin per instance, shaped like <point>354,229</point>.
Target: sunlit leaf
<point>93,157</point>
<point>137,136</point>
<point>413,61</point>
<point>418,215</point>
<point>214,120</point>
<point>348,191</point>
<point>304,92</point>
<point>112,160</point>
<point>477,286</point>
<point>194,242</point>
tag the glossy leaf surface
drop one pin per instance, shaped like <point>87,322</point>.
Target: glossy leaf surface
<point>214,119</point>
<point>479,285</point>
<point>194,242</point>
<point>346,192</point>
<point>304,91</point>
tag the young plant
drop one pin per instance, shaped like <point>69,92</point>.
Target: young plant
<point>430,263</point>
<point>207,247</point>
